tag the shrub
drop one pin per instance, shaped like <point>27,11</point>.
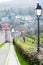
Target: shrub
<point>14,41</point>
<point>41,40</point>
<point>27,51</point>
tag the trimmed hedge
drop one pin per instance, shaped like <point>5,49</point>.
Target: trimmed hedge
<point>28,56</point>
<point>20,57</point>
<point>27,51</point>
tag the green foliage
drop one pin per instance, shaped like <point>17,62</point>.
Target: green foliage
<point>41,39</point>
<point>20,57</point>
<point>30,40</point>
<point>27,50</point>
<point>35,62</point>
<point>2,44</point>
<point>25,45</point>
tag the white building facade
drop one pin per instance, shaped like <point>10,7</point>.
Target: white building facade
<point>2,37</point>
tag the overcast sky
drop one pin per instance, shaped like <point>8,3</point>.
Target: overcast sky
<point>20,3</point>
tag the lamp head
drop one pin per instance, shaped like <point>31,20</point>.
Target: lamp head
<point>38,10</point>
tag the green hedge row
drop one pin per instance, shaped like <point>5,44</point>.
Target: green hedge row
<point>27,53</point>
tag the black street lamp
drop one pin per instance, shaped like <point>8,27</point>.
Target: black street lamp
<point>38,12</point>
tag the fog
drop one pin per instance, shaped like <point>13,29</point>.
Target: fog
<point>20,3</point>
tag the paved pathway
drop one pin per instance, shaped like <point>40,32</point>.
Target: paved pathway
<point>12,58</point>
<point>3,53</point>
<point>8,55</point>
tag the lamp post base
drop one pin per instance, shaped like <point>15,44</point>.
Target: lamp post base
<point>38,50</point>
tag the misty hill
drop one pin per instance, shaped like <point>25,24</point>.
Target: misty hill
<point>8,15</point>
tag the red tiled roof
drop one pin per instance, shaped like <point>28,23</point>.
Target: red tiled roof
<point>5,27</point>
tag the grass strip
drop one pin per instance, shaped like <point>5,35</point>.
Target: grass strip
<point>1,45</point>
<point>20,57</point>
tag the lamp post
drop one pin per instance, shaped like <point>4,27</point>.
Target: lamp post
<point>38,12</point>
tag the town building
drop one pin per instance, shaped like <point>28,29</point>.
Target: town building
<point>6,29</point>
<point>5,34</point>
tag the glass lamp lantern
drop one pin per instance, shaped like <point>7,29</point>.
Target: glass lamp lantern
<point>38,10</point>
